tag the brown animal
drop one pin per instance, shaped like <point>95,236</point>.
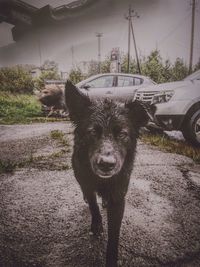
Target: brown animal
<point>53,96</point>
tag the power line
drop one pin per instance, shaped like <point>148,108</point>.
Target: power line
<point>180,23</point>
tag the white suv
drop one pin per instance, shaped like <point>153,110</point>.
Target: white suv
<point>178,105</point>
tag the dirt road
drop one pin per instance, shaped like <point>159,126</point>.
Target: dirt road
<point>44,221</point>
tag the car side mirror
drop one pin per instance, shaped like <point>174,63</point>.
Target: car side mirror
<point>86,86</point>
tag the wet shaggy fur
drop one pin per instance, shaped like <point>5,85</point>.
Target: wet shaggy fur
<point>104,149</point>
<point>52,96</point>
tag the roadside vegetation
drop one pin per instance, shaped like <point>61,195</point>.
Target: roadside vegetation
<point>58,158</point>
<point>18,108</point>
<point>18,102</point>
<point>172,146</point>
<point>153,66</point>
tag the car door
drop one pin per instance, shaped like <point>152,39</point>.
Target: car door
<point>101,86</point>
<point>127,86</point>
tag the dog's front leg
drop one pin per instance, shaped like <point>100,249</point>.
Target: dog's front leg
<point>115,214</point>
<point>96,225</point>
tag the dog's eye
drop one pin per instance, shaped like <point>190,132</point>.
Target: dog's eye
<point>120,132</point>
<point>91,131</point>
<point>123,133</point>
<point>95,131</point>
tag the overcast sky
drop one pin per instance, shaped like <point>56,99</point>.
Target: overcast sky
<point>163,24</point>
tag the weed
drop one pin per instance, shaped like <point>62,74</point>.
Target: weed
<point>60,137</point>
<point>173,146</point>
<point>7,167</point>
<point>21,108</point>
<point>17,108</point>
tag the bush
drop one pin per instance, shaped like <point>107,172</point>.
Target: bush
<point>46,75</point>
<point>16,108</point>
<point>179,70</point>
<point>16,80</point>
<point>76,75</point>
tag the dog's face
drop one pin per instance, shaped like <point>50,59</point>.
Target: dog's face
<point>109,136</point>
<point>108,130</point>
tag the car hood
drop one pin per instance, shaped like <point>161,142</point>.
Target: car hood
<point>166,86</point>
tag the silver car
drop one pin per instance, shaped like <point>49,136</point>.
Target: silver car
<point>178,105</point>
<point>116,85</point>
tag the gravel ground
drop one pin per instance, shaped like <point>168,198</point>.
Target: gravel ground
<point>44,221</point>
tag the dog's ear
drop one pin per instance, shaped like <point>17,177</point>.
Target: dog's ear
<point>76,102</point>
<point>140,112</point>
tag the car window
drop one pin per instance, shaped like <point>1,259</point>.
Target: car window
<point>138,81</point>
<point>104,81</point>
<point>124,81</point>
<point>193,76</point>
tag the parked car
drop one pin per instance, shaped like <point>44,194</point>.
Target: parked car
<point>115,85</point>
<point>178,105</point>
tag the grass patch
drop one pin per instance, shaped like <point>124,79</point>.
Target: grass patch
<point>19,108</point>
<point>172,146</point>
<point>7,167</point>
<point>22,108</point>
<point>50,162</point>
<point>60,137</point>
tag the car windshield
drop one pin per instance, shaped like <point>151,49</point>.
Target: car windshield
<point>193,76</point>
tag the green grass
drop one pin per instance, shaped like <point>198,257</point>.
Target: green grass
<point>60,137</point>
<point>7,167</point>
<point>18,108</point>
<point>173,146</point>
<point>48,162</point>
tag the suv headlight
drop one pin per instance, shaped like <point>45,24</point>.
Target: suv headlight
<point>162,97</point>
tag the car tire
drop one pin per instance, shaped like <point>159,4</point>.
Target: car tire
<point>191,128</point>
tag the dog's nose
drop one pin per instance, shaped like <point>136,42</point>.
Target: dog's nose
<point>106,163</point>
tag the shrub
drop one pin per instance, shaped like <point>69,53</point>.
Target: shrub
<point>16,80</point>
<point>76,75</point>
<point>46,75</point>
<point>16,108</point>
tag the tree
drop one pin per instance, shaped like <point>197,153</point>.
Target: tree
<point>179,70</point>
<point>124,64</point>
<point>76,75</point>
<point>49,71</point>
<point>50,65</point>
<point>153,67</point>
<point>197,66</point>
<point>105,65</point>
<point>16,80</point>
<point>93,68</point>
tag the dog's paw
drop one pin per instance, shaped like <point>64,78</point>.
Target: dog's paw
<point>96,228</point>
<point>104,203</point>
<point>85,199</point>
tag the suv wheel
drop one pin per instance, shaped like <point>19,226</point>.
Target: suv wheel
<point>191,128</point>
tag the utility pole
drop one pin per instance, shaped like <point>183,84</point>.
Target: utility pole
<point>192,35</point>
<point>40,53</point>
<point>72,51</point>
<point>132,14</point>
<point>99,35</point>
<point>39,48</point>
<point>129,38</point>
<point>136,53</point>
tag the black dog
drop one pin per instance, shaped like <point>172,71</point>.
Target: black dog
<point>104,150</point>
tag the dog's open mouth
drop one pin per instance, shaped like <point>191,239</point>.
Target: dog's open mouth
<point>105,173</point>
<point>106,166</point>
